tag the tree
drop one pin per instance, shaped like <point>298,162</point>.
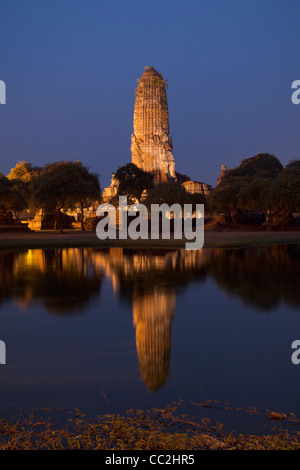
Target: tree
<point>172,193</point>
<point>20,177</point>
<point>23,171</point>
<point>61,186</point>
<point>5,193</point>
<point>284,194</point>
<point>19,197</point>
<point>11,197</point>
<point>133,181</point>
<point>246,186</point>
<point>88,188</point>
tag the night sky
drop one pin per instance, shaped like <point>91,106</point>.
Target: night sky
<point>70,68</point>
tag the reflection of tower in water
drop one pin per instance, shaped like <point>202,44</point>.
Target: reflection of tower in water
<point>152,317</point>
<point>146,275</point>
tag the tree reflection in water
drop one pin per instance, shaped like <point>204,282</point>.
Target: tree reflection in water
<point>64,280</point>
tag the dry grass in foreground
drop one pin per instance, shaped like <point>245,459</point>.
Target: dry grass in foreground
<point>158,429</point>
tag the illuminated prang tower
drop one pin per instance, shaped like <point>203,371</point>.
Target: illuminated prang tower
<point>151,144</point>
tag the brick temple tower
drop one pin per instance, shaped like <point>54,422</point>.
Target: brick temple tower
<point>151,144</point>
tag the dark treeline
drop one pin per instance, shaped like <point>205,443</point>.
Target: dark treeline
<point>259,191</point>
<point>53,188</point>
<point>262,185</point>
<point>139,185</point>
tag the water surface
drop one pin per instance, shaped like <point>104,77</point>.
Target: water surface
<point>109,330</point>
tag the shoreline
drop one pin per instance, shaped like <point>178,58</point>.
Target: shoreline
<point>153,429</point>
<point>77,239</point>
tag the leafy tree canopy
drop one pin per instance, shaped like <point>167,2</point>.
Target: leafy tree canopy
<point>23,171</point>
<point>12,195</point>
<point>246,186</point>
<point>133,181</point>
<point>172,193</point>
<point>284,192</point>
<point>62,185</point>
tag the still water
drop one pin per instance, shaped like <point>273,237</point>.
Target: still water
<point>109,330</point>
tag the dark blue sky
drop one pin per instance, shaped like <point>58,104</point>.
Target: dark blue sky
<point>70,68</point>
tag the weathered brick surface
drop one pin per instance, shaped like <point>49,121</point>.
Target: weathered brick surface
<point>151,143</point>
